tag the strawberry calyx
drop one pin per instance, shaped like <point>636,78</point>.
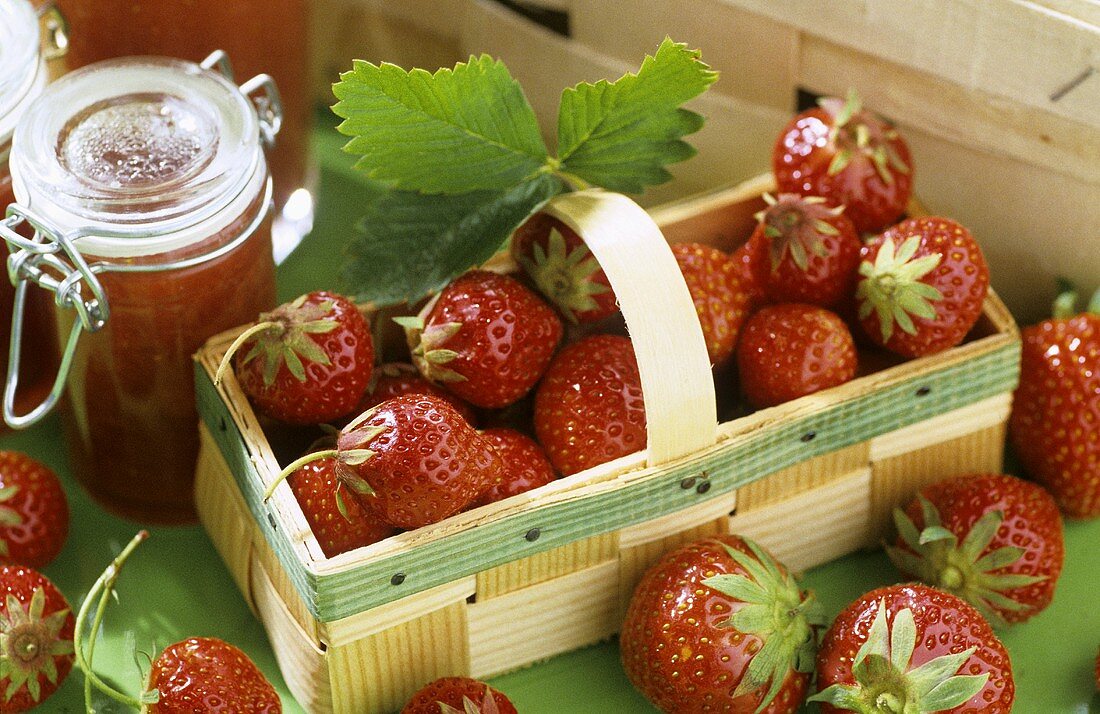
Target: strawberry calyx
<point>9,517</point>
<point>885,683</point>
<point>1065,305</point>
<point>796,224</point>
<point>282,337</point>
<point>28,644</point>
<point>935,556</point>
<point>487,706</point>
<point>566,277</point>
<point>776,612</point>
<point>427,350</point>
<point>891,286</point>
<point>857,133</point>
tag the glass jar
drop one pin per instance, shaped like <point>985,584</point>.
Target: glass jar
<point>146,185</point>
<point>260,35</point>
<point>22,78</point>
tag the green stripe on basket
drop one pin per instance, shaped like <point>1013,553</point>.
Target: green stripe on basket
<point>778,446</point>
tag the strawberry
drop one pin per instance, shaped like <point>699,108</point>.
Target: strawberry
<point>912,648</point>
<point>394,379</point>
<point>1057,406</point>
<point>205,674</point>
<point>850,158</point>
<point>458,695</point>
<point>719,625</point>
<point>812,251</point>
<point>412,459</point>
<point>526,465</point>
<point>563,269</point>
<point>307,362</point>
<point>486,338</point>
<point>922,286</point>
<point>993,540</point>
<point>789,351</point>
<point>315,485</point>
<point>34,513</point>
<point>36,638</point>
<point>748,256</point>
<point>721,304</point>
<point>589,407</point>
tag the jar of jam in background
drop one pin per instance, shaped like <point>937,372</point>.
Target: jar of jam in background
<point>146,183</point>
<point>23,76</point>
<point>268,36</point>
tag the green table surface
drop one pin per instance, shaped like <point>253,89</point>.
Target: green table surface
<point>175,586</point>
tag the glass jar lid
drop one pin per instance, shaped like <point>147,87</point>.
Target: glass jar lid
<point>135,154</point>
<point>19,60</point>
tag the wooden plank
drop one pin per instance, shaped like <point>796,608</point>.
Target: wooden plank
<point>810,474</point>
<point>394,614</point>
<point>814,526</point>
<point>896,479</point>
<point>549,565</point>
<point>955,424</point>
<point>379,673</point>
<point>511,631</point>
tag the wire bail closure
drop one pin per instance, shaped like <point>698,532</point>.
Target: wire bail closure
<point>55,40</point>
<point>261,90</point>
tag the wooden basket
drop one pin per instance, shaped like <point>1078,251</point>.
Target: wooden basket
<point>551,570</point>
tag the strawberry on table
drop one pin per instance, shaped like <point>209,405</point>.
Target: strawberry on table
<point>36,638</point>
<point>458,695</point>
<point>525,465</point>
<point>412,459</point>
<point>1055,421</point>
<point>720,302</point>
<point>563,269</point>
<point>994,540</point>
<point>340,523</point>
<point>812,251</point>
<point>719,625</point>
<point>34,513</point>
<point>306,362</point>
<point>486,337</point>
<point>849,157</point>
<point>395,379</point>
<point>912,648</point>
<point>788,351</point>
<point>206,674</point>
<point>589,407</point>
<point>922,286</point>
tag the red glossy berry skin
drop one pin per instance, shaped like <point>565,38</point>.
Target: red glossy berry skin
<point>329,391</point>
<point>450,691</point>
<point>829,280</point>
<point>1031,521</point>
<point>747,257</point>
<point>506,341</point>
<point>395,379</point>
<point>720,302</point>
<point>536,231</point>
<point>962,277</point>
<point>673,647</point>
<point>314,485</point>
<point>589,407</point>
<point>526,465</point>
<point>791,350</point>
<point>801,159</point>
<point>1055,421</point>
<point>205,675</point>
<point>428,463</point>
<point>36,515</point>
<point>945,625</point>
<point>21,583</point>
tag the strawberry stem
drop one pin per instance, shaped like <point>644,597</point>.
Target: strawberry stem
<point>297,464</point>
<point>237,343</point>
<point>106,584</point>
<point>1094,303</point>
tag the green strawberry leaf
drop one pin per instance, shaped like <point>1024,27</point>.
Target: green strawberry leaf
<point>620,134</point>
<point>457,130</point>
<point>413,243</point>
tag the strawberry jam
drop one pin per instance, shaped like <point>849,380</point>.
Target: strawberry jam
<point>156,167</point>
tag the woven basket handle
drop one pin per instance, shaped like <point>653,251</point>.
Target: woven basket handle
<point>681,413</point>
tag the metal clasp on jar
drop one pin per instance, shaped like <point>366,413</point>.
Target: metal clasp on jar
<point>261,90</point>
<point>55,31</point>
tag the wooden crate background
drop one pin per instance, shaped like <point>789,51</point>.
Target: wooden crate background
<point>999,99</point>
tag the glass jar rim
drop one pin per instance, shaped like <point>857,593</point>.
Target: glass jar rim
<point>96,154</point>
<point>19,61</point>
